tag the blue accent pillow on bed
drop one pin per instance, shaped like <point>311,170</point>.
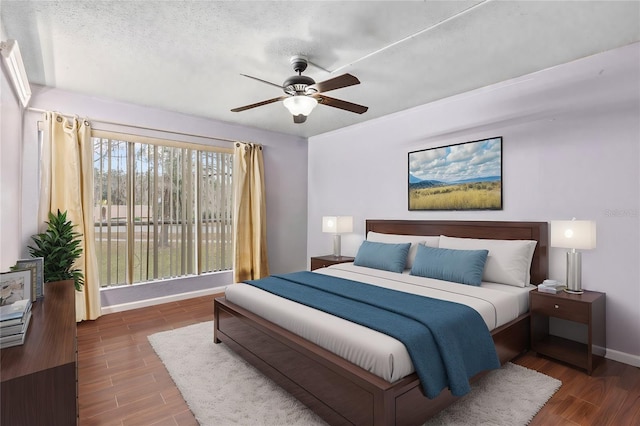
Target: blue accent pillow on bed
<point>460,266</point>
<point>388,257</point>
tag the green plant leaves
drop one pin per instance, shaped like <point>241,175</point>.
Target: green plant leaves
<point>60,246</point>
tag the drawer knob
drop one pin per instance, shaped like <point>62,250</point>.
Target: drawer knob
<point>556,306</point>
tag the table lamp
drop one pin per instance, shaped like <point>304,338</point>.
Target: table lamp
<point>574,235</point>
<point>337,225</point>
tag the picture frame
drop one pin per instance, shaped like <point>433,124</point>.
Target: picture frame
<point>37,276</point>
<point>463,176</point>
<point>15,286</point>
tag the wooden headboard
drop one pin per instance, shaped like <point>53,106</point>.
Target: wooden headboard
<point>537,231</point>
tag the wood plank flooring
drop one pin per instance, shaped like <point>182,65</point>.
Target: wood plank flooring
<point>122,381</point>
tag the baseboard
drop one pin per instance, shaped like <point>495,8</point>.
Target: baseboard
<point>623,357</point>
<point>160,300</point>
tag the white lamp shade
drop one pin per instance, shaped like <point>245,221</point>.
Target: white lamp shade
<point>300,104</point>
<point>337,224</point>
<point>573,234</point>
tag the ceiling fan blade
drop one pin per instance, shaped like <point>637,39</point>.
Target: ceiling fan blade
<point>263,81</point>
<point>344,80</point>
<point>338,103</point>
<point>299,118</point>
<point>269,101</point>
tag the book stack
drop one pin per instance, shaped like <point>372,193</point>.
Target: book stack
<point>551,286</point>
<point>14,322</point>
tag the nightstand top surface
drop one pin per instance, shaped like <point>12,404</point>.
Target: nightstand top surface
<point>334,258</point>
<point>588,296</point>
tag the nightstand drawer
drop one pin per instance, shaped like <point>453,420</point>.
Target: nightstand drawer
<point>317,264</point>
<point>560,308</point>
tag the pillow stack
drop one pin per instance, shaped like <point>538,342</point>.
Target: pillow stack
<point>463,260</point>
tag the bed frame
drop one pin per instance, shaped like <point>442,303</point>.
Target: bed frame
<point>343,393</point>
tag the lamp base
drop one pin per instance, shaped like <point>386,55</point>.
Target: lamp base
<point>336,245</point>
<point>574,272</point>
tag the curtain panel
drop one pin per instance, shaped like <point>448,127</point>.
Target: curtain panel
<point>250,230</point>
<point>66,184</point>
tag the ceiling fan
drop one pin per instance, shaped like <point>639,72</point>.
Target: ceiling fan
<point>303,94</point>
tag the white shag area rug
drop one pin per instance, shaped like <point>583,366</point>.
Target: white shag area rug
<point>222,389</point>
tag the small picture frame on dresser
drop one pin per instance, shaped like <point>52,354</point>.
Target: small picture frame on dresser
<point>36,265</point>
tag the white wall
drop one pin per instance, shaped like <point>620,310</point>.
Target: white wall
<point>285,159</point>
<point>10,171</point>
<point>571,138</point>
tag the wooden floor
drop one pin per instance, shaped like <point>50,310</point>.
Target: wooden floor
<point>123,382</point>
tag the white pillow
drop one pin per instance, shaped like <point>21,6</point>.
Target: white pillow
<point>377,237</point>
<point>509,261</point>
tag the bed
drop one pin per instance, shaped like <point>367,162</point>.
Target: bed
<point>343,392</point>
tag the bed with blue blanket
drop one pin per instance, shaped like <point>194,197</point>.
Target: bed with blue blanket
<point>381,343</point>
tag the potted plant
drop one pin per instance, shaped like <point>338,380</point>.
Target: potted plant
<point>60,247</point>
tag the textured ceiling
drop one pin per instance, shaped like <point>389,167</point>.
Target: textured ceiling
<point>188,56</point>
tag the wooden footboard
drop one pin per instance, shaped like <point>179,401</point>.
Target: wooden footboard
<point>337,390</point>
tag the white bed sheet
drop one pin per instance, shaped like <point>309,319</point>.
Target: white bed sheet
<point>376,352</point>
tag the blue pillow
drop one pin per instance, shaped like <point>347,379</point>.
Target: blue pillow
<point>388,257</point>
<point>460,266</point>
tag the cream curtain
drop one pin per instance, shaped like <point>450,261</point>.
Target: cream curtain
<point>250,229</point>
<point>66,183</point>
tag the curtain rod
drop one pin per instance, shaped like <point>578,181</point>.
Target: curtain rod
<point>138,127</point>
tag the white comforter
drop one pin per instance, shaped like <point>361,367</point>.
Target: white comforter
<point>378,353</point>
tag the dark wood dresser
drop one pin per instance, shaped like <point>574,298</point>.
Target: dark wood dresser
<point>39,378</point>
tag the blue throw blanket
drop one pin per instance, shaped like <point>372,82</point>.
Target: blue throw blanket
<point>448,342</point>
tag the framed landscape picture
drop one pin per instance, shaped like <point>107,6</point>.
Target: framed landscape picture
<point>465,176</point>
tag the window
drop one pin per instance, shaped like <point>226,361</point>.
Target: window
<point>162,209</point>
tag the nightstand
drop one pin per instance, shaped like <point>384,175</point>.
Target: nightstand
<point>587,309</point>
<point>324,261</point>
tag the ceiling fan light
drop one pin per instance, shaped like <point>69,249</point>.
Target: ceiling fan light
<point>300,104</point>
